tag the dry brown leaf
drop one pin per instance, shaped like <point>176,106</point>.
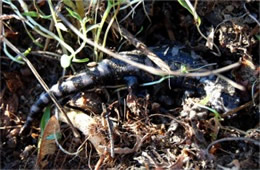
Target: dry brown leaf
<point>246,74</point>
<point>13,81</point>
<point>48,146</point>
<point>12,103</point>
<point>180,160</point>
<point>214,125</point>
<point>9,106</point>
<point>248,63</point>
<point>11,34</point>
<point>40,3</point>
<point>213,150</point>
<point>90,127</point>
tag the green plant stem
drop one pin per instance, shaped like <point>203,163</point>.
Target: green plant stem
<point>106,13</point>
<point>109,25</point>
<point>82,45</point>
<point>100,28</point>
<point>64,50</point>
<point>10,56</point>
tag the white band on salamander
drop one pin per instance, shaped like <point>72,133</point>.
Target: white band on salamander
<point>69,86</point>
<point>35,108</point>
<point>102,68</point>
<point>29,118</point>
<point>44,98</point>
<point>55,90</point>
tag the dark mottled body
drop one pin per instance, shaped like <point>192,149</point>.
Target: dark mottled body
<point>113,69</point>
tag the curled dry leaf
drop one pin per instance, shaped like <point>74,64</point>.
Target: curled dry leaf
<point>90,127</point>
<point>48,146</point>
<point>89,101</point>
<point>181,159</point>
<point>247,73</point>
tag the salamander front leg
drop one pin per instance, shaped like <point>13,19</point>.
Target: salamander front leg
<point>132,84</point>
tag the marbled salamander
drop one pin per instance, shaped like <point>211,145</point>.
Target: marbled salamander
<point>113,69</point>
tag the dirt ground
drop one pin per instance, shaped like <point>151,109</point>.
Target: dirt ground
<point>157,127</point>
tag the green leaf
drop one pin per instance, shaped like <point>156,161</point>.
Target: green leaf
<point>28,51</point>
<point>185,5</point>
<point>70,4</point>
<point>157,81</point>
<point>205,100</point>
<point>85,20</point>
<point>80,60</point>
<point>65,61</point>
<point>258,37</point>
<point>216,114</point>
<point>45,118</point>
<point>52,136</point>
<point>46,16</point>
<point>74,14</point>
<point>92,27</point>
<point>80,8</point>
<point>213,136</point>
<point>184,69</point>
<point>35,14</point>
<point>195,15</point>
<point>31,14</point>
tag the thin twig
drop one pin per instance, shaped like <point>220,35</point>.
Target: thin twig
<point>253,91</point>
<point>250,15</point>
<point>1,23</point>
<point>231,82</point>
<point>47,54</point>
<point>132,11</point>
<point>8,17</point>
<point>110,131</point>
<point>232,139</point>
<point>142,47</point>
<point>10,127</point>
<point>243,106</point>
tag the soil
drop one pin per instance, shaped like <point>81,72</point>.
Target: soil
<point>158,127</point>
